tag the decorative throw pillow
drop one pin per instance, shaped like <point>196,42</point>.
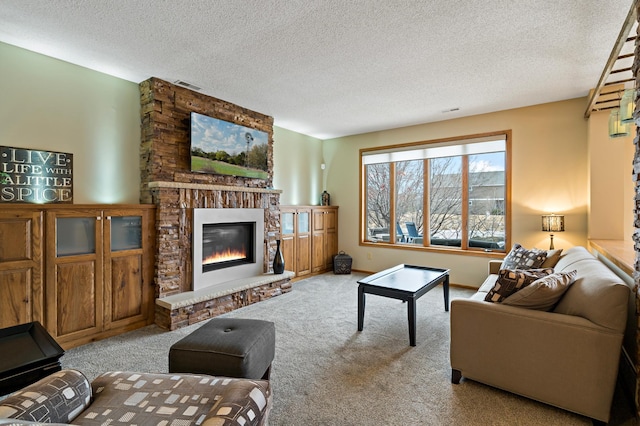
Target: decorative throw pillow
<point>57,398</point>
<point>544,293</point>
<point>552,258</point>
<point>510,281</point>
<point>521,258</point>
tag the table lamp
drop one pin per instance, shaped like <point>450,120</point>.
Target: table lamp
<point>552,223</point>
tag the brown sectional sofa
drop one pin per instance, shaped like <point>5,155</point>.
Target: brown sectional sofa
<point>567,357</point>
<point>119,398</point>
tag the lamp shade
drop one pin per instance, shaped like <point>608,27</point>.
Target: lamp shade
<point>617,129</point>
<point>553,223</point>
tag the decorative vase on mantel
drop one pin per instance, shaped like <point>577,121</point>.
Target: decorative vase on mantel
<point>278,260</point>
<point>325,199</point>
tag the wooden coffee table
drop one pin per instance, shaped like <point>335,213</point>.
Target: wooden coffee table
<point>403,282</point>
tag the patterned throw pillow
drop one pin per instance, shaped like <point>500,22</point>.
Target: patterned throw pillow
<point>57,398</point>
<point>510,281</point>
<point>521,258</point>
<point>544,293</point>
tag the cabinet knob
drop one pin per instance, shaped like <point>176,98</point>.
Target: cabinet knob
<point>108,217</point>
<point>98,218</point>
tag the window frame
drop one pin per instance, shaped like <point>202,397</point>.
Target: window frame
<point>464,248</point>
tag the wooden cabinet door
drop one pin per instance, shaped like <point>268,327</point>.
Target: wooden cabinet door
<point>295,234</point>
<point>21,257</point>
<point>288,249</point>
<point>127,282</point>
<point>331,237</point>
<point>303,242</point>
<point>74,291</point>
<point>288,238</point>
<point>319,241</point>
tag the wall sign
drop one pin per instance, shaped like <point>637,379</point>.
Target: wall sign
<point>31,176</point>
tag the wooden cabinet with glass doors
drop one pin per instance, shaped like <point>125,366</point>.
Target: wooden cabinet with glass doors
<point>309,238</point>
<point>295,231</point>
<point>88,273</point>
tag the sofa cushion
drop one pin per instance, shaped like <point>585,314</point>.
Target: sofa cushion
<point>543,293</point>
<point>571,256</point>
<point>510,281</point>
<point>488,283</point>
<point>598,295</point>
<point>521,258</point>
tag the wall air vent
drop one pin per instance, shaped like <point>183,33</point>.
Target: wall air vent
<point>187,85</point>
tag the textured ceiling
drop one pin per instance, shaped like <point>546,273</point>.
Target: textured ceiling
<point>330,68</point>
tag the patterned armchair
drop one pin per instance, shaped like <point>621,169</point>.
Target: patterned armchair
<point>139,398</point>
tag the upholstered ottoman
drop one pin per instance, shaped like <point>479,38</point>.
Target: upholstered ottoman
<point>231,347</point>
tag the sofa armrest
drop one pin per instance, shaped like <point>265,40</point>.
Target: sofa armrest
<point>562,360</point>
<point>57,398</point>
<point>242,395</point>
<point>494,266</point>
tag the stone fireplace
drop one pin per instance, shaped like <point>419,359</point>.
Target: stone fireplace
<point>179,196</point>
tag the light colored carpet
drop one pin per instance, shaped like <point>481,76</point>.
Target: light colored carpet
<point>327,373</point>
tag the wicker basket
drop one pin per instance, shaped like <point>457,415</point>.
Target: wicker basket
<point>342,263</point>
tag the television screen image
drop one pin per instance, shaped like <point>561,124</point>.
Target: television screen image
<point>225,148</point>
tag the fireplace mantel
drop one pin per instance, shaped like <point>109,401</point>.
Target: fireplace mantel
<point>209,187</point>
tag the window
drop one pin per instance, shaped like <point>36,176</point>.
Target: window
<point>378,205</point>
<point>456,189</point>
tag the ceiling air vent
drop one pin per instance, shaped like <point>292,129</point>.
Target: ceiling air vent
<point>187,85</point>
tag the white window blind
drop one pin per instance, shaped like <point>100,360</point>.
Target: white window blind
<point>436,150</point>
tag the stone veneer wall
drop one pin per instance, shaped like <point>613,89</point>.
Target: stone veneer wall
<point>167,182</point>
<point>636,178</point>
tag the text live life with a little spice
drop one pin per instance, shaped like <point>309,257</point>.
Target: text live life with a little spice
<point>32,176</point>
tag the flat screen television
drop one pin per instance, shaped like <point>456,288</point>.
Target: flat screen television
<point>224,148</point>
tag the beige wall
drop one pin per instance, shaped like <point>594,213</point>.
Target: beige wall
<point>296,163</point>
<point>53,105</point>
<point>611,184</point>
<point>549,174</point>
<point>47,104</point>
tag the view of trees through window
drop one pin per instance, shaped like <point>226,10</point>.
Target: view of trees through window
<point>378,198</point>
<point>463,204</point>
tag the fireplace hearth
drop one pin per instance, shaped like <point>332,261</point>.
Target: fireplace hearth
<point>228,244</point>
